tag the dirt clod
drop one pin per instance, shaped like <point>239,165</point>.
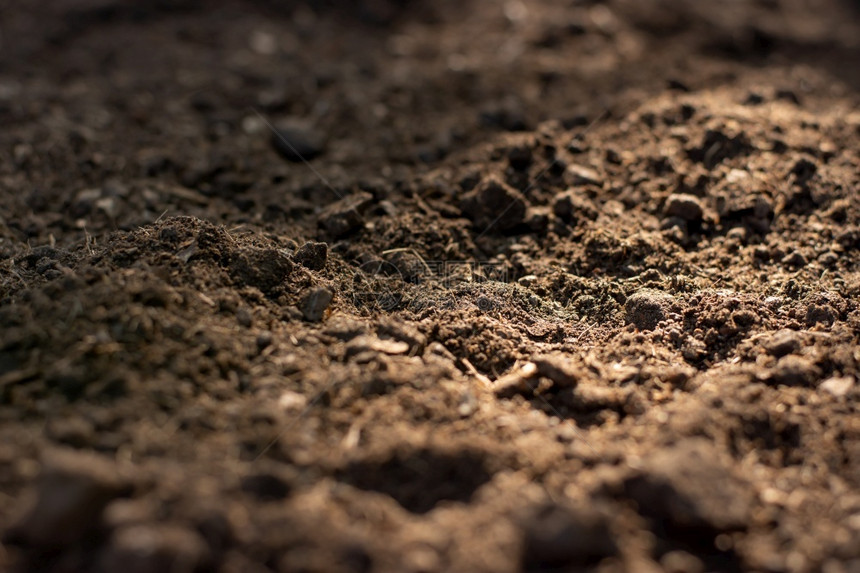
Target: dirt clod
<point>687,487</point>
<point>74,488</point>
<point>560,537</point>
<point>545,284</point>
<point>345,215</point>
<point>684,206</point>
<point>782,343</point>
<point>647,308</point>
<point>312,255</point>
<point>494,205</point>
<point>266,269</point>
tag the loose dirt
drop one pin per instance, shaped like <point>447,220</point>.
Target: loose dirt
<point>429,286</point>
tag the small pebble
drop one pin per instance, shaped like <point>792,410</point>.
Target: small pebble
<point>315,303</point>
<point>266,269</point>
<point>803,170</point>
<point>581,175</point>
<point>264,339</point>
<point>838,387</point>
<point>244,317</point>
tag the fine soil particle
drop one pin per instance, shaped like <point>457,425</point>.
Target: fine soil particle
<point>384,286</point>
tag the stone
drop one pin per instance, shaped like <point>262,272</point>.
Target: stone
<point>803,170</point>
<point>315,303</point>
<point>556,537</point>
<point>581,175</point>
<point>72,492</point>
<point>687,487</point>
<point>312,255</point>
<point>344,216</point>
<point>684,206</point>
<point>838,387</point>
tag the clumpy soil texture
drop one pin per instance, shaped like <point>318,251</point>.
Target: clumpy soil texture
<point>395,286</point>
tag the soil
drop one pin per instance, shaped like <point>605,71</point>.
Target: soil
<point>429,286</point>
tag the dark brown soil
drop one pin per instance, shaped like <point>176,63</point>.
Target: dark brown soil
<point>429,286</point>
